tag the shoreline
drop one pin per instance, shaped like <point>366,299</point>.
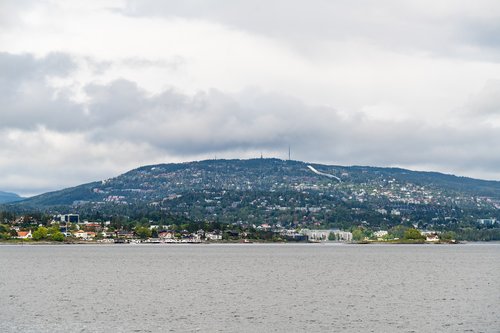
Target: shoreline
<point>36,243</point>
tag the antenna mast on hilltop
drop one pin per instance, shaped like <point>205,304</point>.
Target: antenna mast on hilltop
<point>289,152</point>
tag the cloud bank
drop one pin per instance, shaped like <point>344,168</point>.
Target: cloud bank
<point>92,90</point>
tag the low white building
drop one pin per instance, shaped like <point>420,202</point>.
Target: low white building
<point>380,233</point>
<point>213,236</point>
<point>432,238</point>
<point>81,234</point>
<point>323,235</point>
<point>166,235</point>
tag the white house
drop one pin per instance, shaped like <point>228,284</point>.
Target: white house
<point>213,236</point>
<point>380,233</point>
<point>166,235</point>
<point>80,234</point>
<point>432,238</point>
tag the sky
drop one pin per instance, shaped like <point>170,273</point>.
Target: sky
<point>91,89</point>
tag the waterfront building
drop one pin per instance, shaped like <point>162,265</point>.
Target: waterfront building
<point>325,235</point>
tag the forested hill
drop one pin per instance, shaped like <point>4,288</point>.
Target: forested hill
<point>274,189</point>
<point>6,197</point>
<point>156,182</point>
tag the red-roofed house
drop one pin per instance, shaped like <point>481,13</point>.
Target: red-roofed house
<point>24,234</point>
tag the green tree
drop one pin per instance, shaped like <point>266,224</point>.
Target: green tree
<point>358,234</point>
<point>143,232</point>
<point>144,222</point>
<point>57,236</point>
<point>413,233</point>
<point>40,233</point>
<point>398,231</point>
<point>448,235</point>
<point>52,230</point>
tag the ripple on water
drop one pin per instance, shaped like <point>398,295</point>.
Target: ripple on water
<point>264,288</point>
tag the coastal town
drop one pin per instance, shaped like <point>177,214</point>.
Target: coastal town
<point>268,200</point>
<point>68,228</point>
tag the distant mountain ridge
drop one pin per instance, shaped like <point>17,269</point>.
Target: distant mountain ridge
<point>6,197</point>
<point>153,182</point>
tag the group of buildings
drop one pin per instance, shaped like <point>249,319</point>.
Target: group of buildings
<point>71,226</point>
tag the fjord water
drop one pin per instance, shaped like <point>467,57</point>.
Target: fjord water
<point>250,288</point>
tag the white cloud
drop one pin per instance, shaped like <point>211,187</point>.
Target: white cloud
<point>394,83</point>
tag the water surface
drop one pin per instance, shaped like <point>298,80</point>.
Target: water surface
<point>250,288</point>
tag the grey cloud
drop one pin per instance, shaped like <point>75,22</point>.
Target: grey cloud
<point>297,20</point>
<point>483,106</point>
<point>56,64</point>
<point>401,26</point>
<point>111,103</point>
<point>450,28</point>
<point>483,33</point>
<point>172,123</point>
<point>15,67</point>
<point>404,25</point>
<point>211,121</point>
<point>98,66</point>
<point>218,123</point>
<point>27,101</point>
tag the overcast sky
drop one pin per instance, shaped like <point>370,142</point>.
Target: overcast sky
<point>92,89</point>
